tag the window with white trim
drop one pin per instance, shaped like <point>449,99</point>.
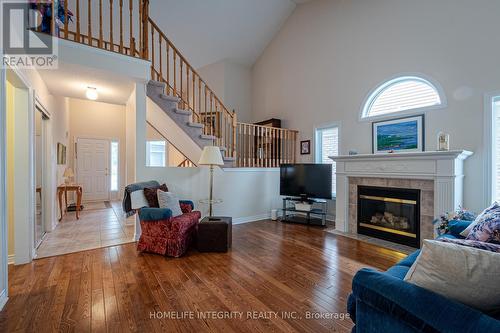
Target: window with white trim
<point>496,149</point>
<point>401,94</point>
<point>327,144</point>
<point>114,165</point>
<point>156,153</point>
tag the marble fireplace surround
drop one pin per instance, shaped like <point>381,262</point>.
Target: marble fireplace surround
<point>439,176</point>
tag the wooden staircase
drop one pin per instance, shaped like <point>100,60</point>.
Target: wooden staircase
<point>124,26</point>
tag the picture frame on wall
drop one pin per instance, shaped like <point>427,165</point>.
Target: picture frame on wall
<point>401,135</point>
<point>305,147</point>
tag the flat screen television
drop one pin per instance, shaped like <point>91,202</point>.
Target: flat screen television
<point>307,181</point>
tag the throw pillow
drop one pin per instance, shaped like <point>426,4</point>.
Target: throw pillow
<point>487,231</point>
<point>151,195</point>
<point>495,207</point>
<point>186,207</point>
<point>170,201</point>
<point>465,274</point>
<point>473,243</point>
<point>455,227</point>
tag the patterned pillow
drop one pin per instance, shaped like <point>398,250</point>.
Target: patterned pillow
<point>473,243</point>
<point>152,196</point>
<point>186,207</point>
<point>488,230</point>
<point>494,208</point>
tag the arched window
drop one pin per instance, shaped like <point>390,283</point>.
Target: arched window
<point>402,94</point>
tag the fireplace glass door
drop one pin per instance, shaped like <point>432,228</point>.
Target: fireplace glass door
<point>389,213</point>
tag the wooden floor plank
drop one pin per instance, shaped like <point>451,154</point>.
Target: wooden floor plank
<point>272,268</point>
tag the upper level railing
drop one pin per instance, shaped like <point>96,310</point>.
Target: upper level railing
<point>124,26</point>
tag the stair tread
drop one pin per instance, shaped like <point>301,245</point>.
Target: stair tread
<point>181,111</point>
<point>207,137</point>
<point>157,83</point>
<point>193,124</point>
<point>229,159</point>
<point>170,98</point>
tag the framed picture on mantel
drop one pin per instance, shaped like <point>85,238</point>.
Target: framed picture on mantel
<point>399,135</point>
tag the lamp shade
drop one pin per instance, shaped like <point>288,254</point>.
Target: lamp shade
<point>211,156</point>
<point>68,173</point>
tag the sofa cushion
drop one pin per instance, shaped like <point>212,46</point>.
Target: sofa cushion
<point>455,227</point>
<point>472,243</point>
<point>398,271</point>
<point>487,230</point>
<point>154,214</point>
<point>152,196</point>
<point>465,274</point>
<point>170,201</point>
<point>410,259</point>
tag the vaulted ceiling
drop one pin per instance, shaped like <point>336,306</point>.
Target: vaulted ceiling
<point>207,31</point>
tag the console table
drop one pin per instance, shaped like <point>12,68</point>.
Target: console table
<point>315,216</point>
<point>63,189</point>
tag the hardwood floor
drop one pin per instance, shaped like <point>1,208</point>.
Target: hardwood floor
<point>273,267</point>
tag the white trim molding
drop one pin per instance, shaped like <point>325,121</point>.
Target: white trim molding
<point>371,96</point>
<point>3,299</point>
<point>254,218</point>
<point>445,168</point>
<point>489,154</point>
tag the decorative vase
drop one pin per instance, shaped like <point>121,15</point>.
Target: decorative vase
<point>443,141</point>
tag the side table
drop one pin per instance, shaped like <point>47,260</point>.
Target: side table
<point>215,234</point>
<point>63,189</point>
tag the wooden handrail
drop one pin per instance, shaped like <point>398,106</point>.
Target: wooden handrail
<point>274,146</point>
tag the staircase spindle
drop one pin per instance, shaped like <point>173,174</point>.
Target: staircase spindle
<point>131,27</point>
<point>168,66</point>
<point>152,54</point>
<point>111,45</point>
<point>160,54</point>
<point>66,18</point>
<point>77,36</point>
<point>187,85</point>
<point>89,23</point>
<point>121,26</point>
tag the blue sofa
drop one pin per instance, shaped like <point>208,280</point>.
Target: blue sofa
<point>383,302</point>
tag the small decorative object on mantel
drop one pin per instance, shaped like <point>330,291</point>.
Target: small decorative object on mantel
<point>459,214</point>
<point>353,152</point>
<point>443,143</point>
<point>305,147</point>
<point>399,135</point>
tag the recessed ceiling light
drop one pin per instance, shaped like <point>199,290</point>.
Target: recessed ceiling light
<point>91,93</point>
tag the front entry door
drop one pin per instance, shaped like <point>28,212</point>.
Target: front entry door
<point>92,168</point>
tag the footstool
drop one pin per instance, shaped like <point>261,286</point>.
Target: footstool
<point>214,234</point>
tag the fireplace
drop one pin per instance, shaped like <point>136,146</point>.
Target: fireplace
<point>389,213</point>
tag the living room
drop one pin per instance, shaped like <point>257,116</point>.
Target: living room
<point>373,124</point>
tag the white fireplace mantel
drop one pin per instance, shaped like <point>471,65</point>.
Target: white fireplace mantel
<point>445,168</point>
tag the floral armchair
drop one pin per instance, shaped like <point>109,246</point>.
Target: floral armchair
<point>167,235</point>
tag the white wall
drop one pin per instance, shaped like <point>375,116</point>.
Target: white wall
<point>247,194</point>
<point>96,120</point>
<point>232,83</point>
<point>330,54</point>
<point>3,223</point>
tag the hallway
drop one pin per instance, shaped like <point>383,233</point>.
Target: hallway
<point>101,224</point>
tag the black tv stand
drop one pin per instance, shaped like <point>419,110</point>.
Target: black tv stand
<point>315,216</point>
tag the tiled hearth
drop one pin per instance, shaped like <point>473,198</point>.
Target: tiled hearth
<point>426,188</point>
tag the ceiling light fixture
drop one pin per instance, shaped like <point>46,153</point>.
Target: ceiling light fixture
<point>91,93</point>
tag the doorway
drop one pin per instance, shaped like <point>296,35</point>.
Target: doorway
<point>40,160</point>
<point>92,157</point>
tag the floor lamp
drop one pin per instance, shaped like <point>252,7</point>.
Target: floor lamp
<point>211,156</point>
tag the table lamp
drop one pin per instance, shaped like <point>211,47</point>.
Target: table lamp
<point>68,175</point>
<point>211,156</point>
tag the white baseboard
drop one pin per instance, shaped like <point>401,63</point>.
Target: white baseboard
<point>247,219</point>
<point>11,259</point>
<point>3,299</point>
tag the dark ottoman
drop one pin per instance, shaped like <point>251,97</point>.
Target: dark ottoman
<point>214,234</point>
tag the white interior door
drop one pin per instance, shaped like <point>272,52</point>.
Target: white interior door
<point>93,168</point>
